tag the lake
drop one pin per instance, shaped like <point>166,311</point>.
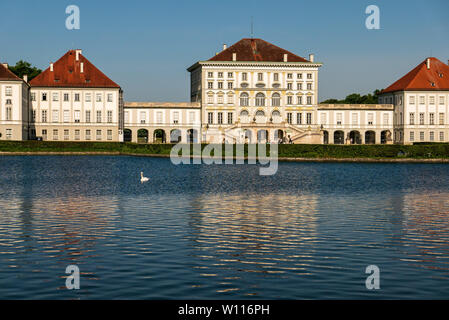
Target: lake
<point>221,231</point>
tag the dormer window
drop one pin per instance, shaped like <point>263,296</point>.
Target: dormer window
<point>87,80</point>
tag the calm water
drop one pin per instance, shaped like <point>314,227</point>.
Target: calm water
<point>222,232</point>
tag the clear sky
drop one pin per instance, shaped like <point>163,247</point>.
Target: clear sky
<point>146,46</point>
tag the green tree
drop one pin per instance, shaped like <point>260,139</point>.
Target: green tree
<point>22,67</point>
<point>356,98</point>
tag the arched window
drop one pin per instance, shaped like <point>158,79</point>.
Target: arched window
<point>244,99</point>
<point>260,100</point>
<point>244,116</point>
<point>276,115</point>
<point>275,100</point>
<point>260,116</point>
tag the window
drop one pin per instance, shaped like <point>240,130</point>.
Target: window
<point>44,96</point>
<point>386,119</point>
<point>191,117</point>
<point>298,118</point>
<point>309,100</point>
<point>276,77</point>
<point>441,100</point>
<point>210,74</point>
<point>431,100</point>
<point>289,117</point>
<point>8,113</point>
<point>323,118</point>
<point>244,99</point>
<point>33,96</point>
<point>98,116</point>
<point>260,100</point>
<point>370,119</point>
<point>159,117</point>
<point>44,115</point>
<point>77,97</point>
<point>77,134</point>
<point>441,118</point>
<point>220,74</point>
<point>88,97</point>
<point>412,136</point>
<point>87,134</point>
<point>210,117</point>
<point>299,75</point>
<point>55,96</point>
<point>441,136</point>
<point>8,91</point>
<point>230,99</point>
<point>431,136</point>
<point>299,99</point>
<point>220,118</point>
<point>109,133</point>
<point>66,115</point>
<point>220,85</point>
<point>411,100</point>
<point>66,97</point>
<point>55,134</point>
<point>126,116</point>
<point>275,100</point>
<point>421,118</point>
<point>339,118</point>
<point>55,117</point>
<point>421,136</point>
<point>109,97</point>
<point>289,86</point>
<point>66,134</point>
<point>412,118</point>
<point>33,116</point>
<point>260,76</point>
<point>8,134</point>
<point>98,97</point>
<point>109,116</point>
<point>220,99</point>
<point>44,134</point>
<point>210,85</point>
<point>230,115</point>
<point>88,116</point>
<point>309,86</point>
<point>309,76</point>
<point>422,100</point>
<point>244,76</point>
<point>289,100</point>
<point>309,118</point>
<point>230,75</point>
<point>77,116</point>
<point>431,118</point>
<point>299,86</point>
<point>355,119</point>
<point>230,85</point>
<point>175,117</point>
<point>98,135</point>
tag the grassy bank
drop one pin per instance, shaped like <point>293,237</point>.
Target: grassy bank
<point>417,151</point>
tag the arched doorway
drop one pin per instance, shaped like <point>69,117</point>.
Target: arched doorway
<point>175,136</point>
<point>325,137</point>
<point>159,136</point>
<point>339,137</point>
<point>385,136</point>
<point>278,135</point>
<point>355,138</point>
<point>142,136</point>
<point>262,136</point>
<point>127,135</point>
<point>370,137</point>
<point>248,136</point>
<point>192,136</point>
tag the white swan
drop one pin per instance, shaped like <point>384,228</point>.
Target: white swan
<point>142,178</point>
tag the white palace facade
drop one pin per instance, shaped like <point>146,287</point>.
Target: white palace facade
<point>252,91</point>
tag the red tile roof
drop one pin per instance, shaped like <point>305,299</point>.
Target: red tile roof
<point>6,74</point>
<point>256,50</point>
<point>421,78</point>
<point>67,73</point>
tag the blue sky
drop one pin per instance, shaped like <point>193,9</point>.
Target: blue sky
<point>146,46</point>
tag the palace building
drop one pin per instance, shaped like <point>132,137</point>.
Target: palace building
<point>252,91</point>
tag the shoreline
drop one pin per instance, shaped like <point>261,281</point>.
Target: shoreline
<point>281,159</point>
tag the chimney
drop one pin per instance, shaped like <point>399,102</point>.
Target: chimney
<point>25,78</point>
<point>5,65</point>
<point>78,52</point>
<point>51,66</point>
<point>224,46</point>
<point>234,56</point>
<point>285,57</point>
<point>311,57</point>
<point>428,63</point>
<point>82,67</point>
